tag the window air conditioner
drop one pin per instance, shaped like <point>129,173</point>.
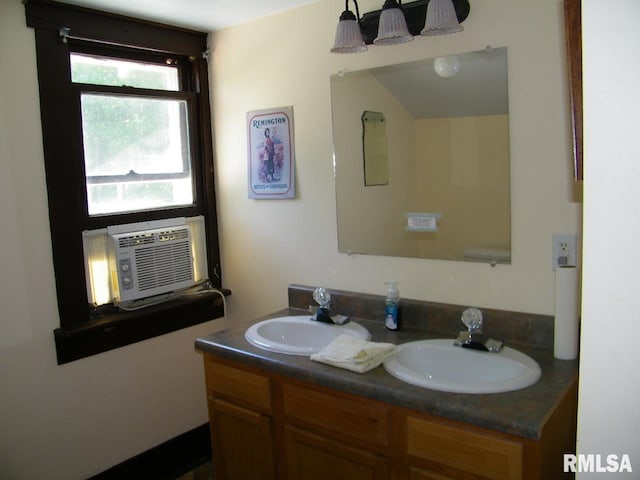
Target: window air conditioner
<point>151,261</point>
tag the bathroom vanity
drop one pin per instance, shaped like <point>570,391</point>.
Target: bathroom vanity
<point>284,416</point>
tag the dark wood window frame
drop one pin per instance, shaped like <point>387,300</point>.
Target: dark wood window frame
<point>85,330</point>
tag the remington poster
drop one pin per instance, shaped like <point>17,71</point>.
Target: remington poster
<point>271,156</point>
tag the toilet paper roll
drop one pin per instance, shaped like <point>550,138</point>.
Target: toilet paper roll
<point>566,335</point>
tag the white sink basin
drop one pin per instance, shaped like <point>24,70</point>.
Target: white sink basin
<point>299,335</point>
<point>438,365</point>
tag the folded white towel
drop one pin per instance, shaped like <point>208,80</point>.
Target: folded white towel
<point>354,354</point>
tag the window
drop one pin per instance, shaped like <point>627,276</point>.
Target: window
<point>136,145</point>
<point>127,138</point>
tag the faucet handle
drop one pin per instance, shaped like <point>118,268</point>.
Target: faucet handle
<point>322,296</point>
<point>472,319</point>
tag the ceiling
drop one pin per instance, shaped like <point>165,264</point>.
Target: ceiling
<point>479,88</point>
<point>203,15</point>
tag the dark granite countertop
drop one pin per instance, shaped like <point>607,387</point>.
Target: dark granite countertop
<point>522,412</point>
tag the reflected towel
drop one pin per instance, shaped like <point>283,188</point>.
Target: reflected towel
<point>354,354</point>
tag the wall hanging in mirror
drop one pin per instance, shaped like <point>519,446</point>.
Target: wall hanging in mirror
<point>374,149</point>
<point>271,153</point>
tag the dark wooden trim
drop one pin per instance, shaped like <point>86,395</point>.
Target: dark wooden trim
<point>67,206</point>
<point>201,85</point>
<point>115,330</point>
<point>95,25</point>
<point>166,461</point>
<point>573,32</point>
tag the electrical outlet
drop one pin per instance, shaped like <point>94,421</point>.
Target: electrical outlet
<point>564,250</point>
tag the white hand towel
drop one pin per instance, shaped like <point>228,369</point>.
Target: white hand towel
<point>354,354</point>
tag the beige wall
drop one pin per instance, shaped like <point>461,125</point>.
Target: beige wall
<point>463,172</point>
<point>112,406</point>
<point>384,204</point>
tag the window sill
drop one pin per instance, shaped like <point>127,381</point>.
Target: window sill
<point>118,329</point>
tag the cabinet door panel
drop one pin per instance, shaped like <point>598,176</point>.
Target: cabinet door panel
<point>237,385</point>
<point>358,419</point>
<point>241,442</point>
<point>314,457</point>
<point>488,456</point>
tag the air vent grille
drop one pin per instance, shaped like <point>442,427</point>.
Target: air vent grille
<point>164,264</point>
<point>136,240</point>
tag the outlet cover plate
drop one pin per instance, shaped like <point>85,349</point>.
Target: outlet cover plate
<point>564,249</point>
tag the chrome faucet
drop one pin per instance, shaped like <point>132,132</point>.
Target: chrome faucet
<point>473,337</point>
<point>323,312</point>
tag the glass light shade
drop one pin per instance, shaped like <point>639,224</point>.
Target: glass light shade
<point>392,28</point>
<point>348,37</point>
<point>441,18</point>
<point>447,67</point>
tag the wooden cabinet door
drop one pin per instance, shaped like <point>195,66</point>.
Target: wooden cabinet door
<point>347,418</point>
<point>460,453</point>
<point>241,441</point>
<point>315,457</point>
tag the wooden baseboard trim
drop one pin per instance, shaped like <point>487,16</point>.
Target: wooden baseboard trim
<point>166,461</point>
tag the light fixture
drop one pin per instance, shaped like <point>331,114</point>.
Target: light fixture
<point>447,67</point>
<point>441,18</point>
<point>392,28</point>
<point>398,23</point>
<point>348,34</point>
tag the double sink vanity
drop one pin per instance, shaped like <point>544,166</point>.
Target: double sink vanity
<point>426,414</point>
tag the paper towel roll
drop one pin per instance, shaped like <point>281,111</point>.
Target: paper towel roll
<point>565,342</point>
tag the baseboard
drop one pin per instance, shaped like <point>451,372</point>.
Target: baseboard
<point>166,461</point>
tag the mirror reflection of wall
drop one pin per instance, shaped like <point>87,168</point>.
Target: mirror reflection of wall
<point>447,152</point>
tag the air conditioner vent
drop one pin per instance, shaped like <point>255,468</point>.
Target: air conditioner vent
<point>136,240</point>
<point>153,262</point>
<point>173,235</point>
<point>164,264</point>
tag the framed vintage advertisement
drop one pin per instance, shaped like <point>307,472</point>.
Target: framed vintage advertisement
<point>270,153</point>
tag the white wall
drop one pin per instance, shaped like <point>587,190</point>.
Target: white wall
<point>71,421</point>
<point>284,60</point>
<point>608,417</point>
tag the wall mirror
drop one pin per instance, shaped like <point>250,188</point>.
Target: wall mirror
<point>446,194</point>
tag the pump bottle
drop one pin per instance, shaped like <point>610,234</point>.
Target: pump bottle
<point>392,306</point>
